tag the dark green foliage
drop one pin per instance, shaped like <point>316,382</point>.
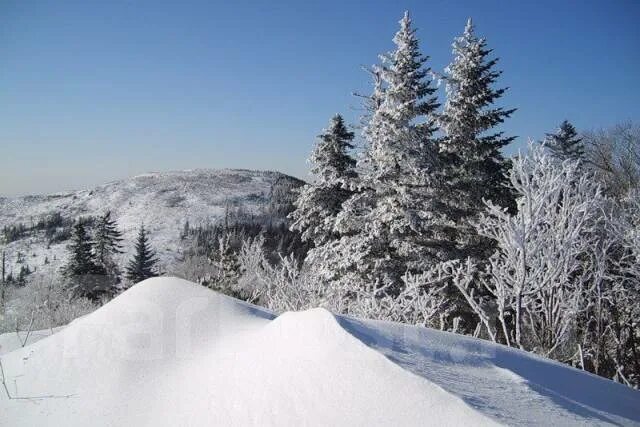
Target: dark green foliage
<point>318,203</point>
<point>107,243</point>
<point>143,264</point>
<point>472,165</point>
<point>21,280</point>
<point>81,261</point>
<point>85,277</point>
<point>58,235</point>
<point>56,227</point>
<point>282,196</point>
<point>52,221</point>
<point>331,158</point>
<point>15,232</point>
<point>278,239</point>
<point>565,144</point>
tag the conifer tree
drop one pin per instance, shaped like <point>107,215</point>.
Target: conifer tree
<point>383,224</point>
<point>142,265</point>
<point>22,275</point>
<point>107,243</point>
<point>318,203</point>
<point>81,260</point>
<point>565,144</point>
<point>230,268</point>
<point>472,166</point>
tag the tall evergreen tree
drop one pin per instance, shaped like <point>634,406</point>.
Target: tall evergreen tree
<point>382,226</point>
<point>319,202</point>
<point>565,144</point>
<point>472,166</point>
<point>142,265</point>
<point>81,260</point>
<point>107,243</point>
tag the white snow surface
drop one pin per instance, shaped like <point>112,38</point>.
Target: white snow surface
<point>169,352</point>
<point>15,340</point>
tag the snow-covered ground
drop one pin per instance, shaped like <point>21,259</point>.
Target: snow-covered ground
<point>162,200</point>
<point>15,340</point>
<point>169,352</point>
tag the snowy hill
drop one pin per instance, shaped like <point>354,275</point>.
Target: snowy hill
<point>163,201</point>
<point>169,352</point>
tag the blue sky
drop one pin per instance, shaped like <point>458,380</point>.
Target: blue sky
<point>97,90</point>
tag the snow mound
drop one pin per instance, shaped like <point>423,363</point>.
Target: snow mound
<point>169,352</point>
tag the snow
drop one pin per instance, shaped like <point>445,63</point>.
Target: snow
<point>162,200</point>
<point>169,352</point>
<point>15,340</point>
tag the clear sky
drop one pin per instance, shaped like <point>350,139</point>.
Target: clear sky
<point>92,91</point>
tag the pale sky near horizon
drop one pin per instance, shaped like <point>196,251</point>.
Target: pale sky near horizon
<point>99,90</point>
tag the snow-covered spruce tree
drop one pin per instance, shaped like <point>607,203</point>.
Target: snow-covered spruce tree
<point>319,202</point>
<point>143,264</point>
<point>384,225</point>
<point>472,167</point>
<point>537,277</point>
<point>371,102</point>
<point>565,144</point>
<point>107,243</point>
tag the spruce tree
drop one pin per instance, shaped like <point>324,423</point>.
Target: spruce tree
<point>383,224</point>
<point>81,260</point>
<point>318,203</point>
<point>565,144</point>
<point>142,265</point>
<point>107,243</point>
<point>472,165</point>
<point>228,263</point>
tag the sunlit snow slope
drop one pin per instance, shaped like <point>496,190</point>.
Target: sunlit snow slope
<point>168,352</point>
<point>163,201</point>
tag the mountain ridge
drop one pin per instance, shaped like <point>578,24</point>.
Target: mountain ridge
<point>163,201</point>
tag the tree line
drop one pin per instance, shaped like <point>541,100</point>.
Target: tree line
<point>92,270</point>
<point>430,224</point>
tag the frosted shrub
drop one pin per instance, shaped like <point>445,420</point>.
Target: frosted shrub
<point>288,286</point>
<point>537,275</point>
<point>41,304</point>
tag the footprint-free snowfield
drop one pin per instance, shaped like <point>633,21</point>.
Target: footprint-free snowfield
<point>169,352</point>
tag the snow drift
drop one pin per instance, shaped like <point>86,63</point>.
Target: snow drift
<point>169,352</point>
